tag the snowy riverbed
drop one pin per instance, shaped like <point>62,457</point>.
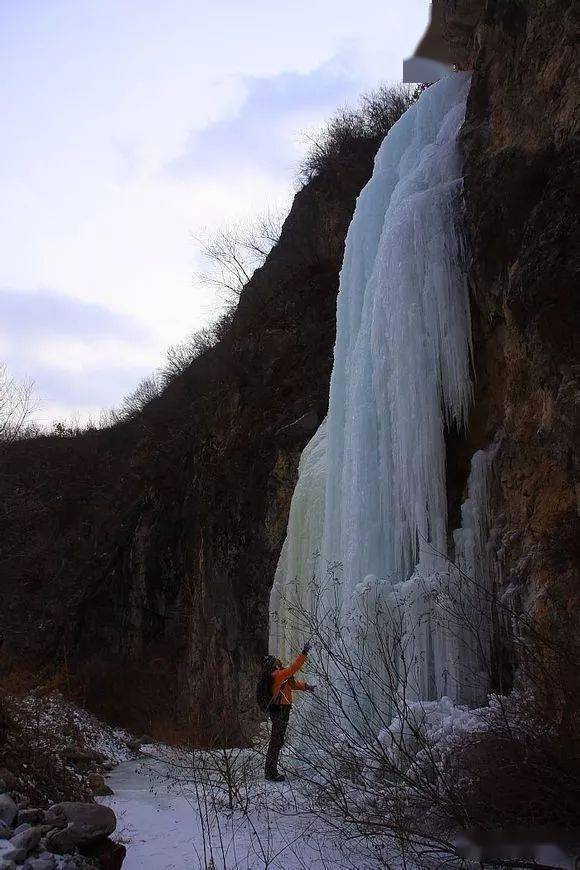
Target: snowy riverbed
<point>167,822</point>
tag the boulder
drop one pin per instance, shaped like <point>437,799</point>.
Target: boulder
<point>85,824</point>
<point>8,809</point>
<point>98,786</point>
<point>27,840</point>
<point>5,832</point>
<point>23,827</point>
<point>134,745</point>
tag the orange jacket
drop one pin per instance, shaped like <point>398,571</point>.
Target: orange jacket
<point>283,681</point>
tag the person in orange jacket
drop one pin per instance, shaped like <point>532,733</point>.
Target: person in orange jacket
<point>283,683</point>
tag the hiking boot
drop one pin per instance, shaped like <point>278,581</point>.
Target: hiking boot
<point>275,777</point>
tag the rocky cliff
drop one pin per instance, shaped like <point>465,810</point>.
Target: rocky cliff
<point>521,185</point>
<point>137,561</point>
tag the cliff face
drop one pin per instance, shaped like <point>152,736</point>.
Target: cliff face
<point>521,166</point>
<point>137,562</point>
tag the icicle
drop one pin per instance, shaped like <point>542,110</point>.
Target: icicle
<point>298,563</point>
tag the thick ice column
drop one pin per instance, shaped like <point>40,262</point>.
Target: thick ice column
<point>402,355</point>
<point>447,612</point>
<point>371,493</point>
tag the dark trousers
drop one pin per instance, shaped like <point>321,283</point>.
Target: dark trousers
<point>279,714</point>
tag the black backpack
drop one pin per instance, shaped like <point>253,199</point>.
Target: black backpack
<point>265,684</point>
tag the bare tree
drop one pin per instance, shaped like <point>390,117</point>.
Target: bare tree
<point>235,252</point>
<point>147,390</point>
<point>180,356</point>
<point>17,404</point>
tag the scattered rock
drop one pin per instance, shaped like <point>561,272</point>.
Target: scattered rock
<point>108,765</point>
<point>8,809</point>
<point>9,853</point>
<point>98,786</point>
<point>85,824</point>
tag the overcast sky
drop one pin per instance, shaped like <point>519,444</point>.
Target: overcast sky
<point>129,128</point>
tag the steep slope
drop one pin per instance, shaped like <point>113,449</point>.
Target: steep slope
<point>136,562</point>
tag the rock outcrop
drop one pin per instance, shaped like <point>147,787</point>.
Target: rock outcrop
<point>522,163</point>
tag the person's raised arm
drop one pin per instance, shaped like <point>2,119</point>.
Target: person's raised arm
<point>286,673</point>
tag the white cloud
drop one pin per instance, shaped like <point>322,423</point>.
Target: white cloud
<point>73,355</point>
<point>98,99</point>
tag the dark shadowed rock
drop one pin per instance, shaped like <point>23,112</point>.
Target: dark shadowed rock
<point>85,825</point>
<point>41,863</point>
<point>81,756</point>
<point>305,427</point>
<point>30,816</point>
<point>8,778</point>
<point>110,855</point>
<point>27,840</point>
<point>8,809</point>
<point>98,786</point>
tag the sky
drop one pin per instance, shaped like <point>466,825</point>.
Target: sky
<point>133,128</point>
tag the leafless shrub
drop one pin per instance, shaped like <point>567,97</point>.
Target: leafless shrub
<point>340,140</point>
<point>147,390</point>
<point>409,774</point>
<point>17,404</point>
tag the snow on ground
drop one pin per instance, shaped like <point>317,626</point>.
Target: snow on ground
<point>169,823</point>
<point>65,725</point>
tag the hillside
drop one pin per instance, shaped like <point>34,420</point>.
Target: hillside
<point>137,560</point>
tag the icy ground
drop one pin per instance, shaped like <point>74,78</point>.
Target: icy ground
<point>167,823</point>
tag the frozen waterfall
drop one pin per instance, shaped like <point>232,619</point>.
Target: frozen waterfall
<point>371,493</point>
